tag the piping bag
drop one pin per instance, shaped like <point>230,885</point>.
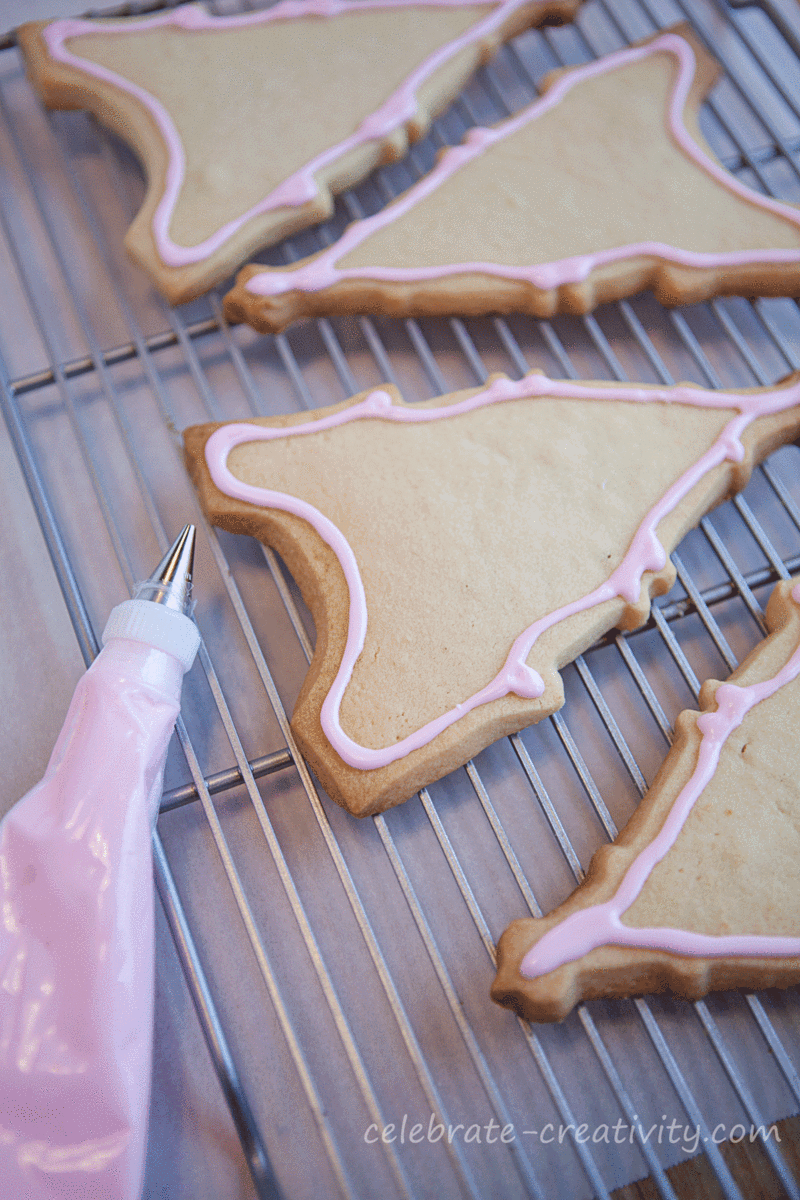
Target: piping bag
<point>76,912</point>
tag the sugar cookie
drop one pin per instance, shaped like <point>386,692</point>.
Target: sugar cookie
<point>456,553</point>
<point>700,890</point>
<point>246,124</point>
<point>601,188</point>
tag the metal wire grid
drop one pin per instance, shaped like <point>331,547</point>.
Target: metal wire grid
<point>397,1002</point>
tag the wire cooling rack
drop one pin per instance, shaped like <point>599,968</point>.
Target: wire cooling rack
<point>340,969</point>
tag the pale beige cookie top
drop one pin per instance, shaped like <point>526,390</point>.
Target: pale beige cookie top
<point>602,187</point>
<point>247,124</point>
<point>455,554</point>
<point>699,891</point>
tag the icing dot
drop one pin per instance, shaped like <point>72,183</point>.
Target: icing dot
<point>478,137</point>
<point>568,270</point>
<point>324,8</point>
<point>545,275</point>
<point>268,284</point>
<point>582,267</point>
<point>732,704</point>
<point>734,450</point>
<point>454,156</point>
<point>377,403</point>
<point>523,681</point>
<point>376,125</point>
<point>295,190</point>
<point>191,17</point>
<point>503,387</point>
<point>733,701</point>
<point>708,724</point>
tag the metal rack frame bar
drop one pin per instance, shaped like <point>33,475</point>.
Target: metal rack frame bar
<point>185,336</point>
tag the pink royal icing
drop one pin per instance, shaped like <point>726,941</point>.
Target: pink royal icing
<point>77,942</point>
<point>644,554</point>
<point>300,187</point>
<point>601,924</point>
<point>321,271</point>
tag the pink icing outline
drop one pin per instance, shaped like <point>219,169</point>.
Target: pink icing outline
<point>645,552</point>
<point>301,186</point>
<point>320,271</point>
<point>601,925</point>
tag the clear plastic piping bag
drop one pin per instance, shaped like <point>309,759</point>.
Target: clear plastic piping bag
<point>76,935</point>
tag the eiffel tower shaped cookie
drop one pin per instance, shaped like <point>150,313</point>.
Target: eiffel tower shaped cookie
<point>247,124</point>
<point>457,552</point>
<point>700,890</point>
<point>601,188</point>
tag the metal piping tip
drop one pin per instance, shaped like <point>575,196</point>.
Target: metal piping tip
<point>171,582</point>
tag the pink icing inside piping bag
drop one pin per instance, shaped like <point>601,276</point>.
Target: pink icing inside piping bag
<point>321,271</point>
<point>301,186</point>
<point>644,554</point>
<point>76,941</point>
<point>601,924</point>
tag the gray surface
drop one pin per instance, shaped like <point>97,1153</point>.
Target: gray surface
<point>350,961</point>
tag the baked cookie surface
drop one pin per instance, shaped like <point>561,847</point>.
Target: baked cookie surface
<point>247,124</point>
<point>700,890</point>
<point>456,553</point>
<point>601,188</point>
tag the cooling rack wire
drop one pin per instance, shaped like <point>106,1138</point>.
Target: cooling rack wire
<point>339,970</point>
